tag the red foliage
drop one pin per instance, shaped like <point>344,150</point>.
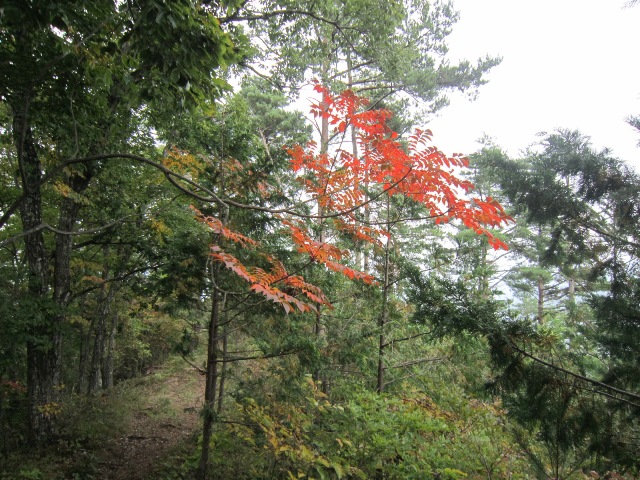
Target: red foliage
<point>324,253</point>
<point>339,184</point>
<point>263,281</point>
<point>420,172</point>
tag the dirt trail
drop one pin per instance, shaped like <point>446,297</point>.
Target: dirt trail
<point>167,416</point>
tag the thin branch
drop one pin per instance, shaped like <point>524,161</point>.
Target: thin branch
<point>410,337</point>
<point>263,76</point>
<point>46,226</point>
<point>415,362</point>
<point>197,368</point>
<point>277,13</point>
<point>573,374</point>
<point>259,357</point>
<point>392,87</point>
<point>354,67</point>
<point>596,229</point>
<point>172,176</point>
<point>124,276</point>
<point>608,395</point>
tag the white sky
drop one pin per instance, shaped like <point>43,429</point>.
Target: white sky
<point>566,64</point>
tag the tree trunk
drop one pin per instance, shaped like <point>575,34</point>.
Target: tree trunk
<point>43,380</point>
<point>103,312</point>
<point>223,368</point>
<point>540,300</point>
<point>107,367</point>
<point>572,291</point>
<point>354,151</point>
<point>319,328</point>
<point>4,447</point>
<point>384,315</point>
<point>43,359</point>
<point>81,385</point>
<point>44,354</point>
<point>101,368</point>
<point>483,279</point>
<point>210,387</point>
<point>95,370</point>
<point>124,255</point>
<point>223,372</point>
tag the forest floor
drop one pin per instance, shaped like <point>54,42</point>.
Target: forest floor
<point>141,430</point>
<point>167,417</point>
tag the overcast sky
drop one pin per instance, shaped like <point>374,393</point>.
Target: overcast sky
<point>566,63</point>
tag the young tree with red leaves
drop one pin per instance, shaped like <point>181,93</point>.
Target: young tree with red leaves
<point>339,184</point>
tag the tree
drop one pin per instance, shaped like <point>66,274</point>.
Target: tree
<point>337,184</point>
<point>585,201</point>
<point>338,44</point>
<point>76,81</point>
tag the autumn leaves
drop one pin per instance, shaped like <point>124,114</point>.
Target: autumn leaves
<point>341,184</point>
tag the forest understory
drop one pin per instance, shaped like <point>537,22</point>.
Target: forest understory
<point>199,281</point>
<point>139,431</point>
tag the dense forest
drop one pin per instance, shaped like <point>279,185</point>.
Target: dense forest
<point>246,192</point>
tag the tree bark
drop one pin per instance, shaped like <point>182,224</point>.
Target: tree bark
<point>354,150</point>
<point>572,291</point>
<point>540,300</point>
<point>95,370</point>
<point>210,387</point>
<point>319,328</point>
<point>81,385</point>
<point>43,352</point>
<point>223,368</point>
<point>384,315</point>
<point>107,366</point>
<point>103,312</point>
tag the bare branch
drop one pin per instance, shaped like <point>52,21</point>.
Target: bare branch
<point>410,337</point>
<point>280,13</point>
<point>415,362</point>
<point>258,357</point>
<point>201,371</point>
<point>574,374</point>
<point>46,226</point>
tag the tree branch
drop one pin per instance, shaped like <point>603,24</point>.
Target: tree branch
<point>276,13</point>
<point>415,362</point>
<point>115,279</point>
<point>573,374</point>
<point>258,357</point>
<point>410,337</point>
<point>46,226</point>
<point>172,176</point>
<point>197,368</point>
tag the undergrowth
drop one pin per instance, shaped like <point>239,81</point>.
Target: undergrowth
<point>89,424</point>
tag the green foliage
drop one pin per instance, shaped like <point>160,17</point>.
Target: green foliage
<point>364,436</point>
<point>405,53</point>
<point>578,243</point>
<point>32,474</point>
<point>149,78</point>
<point>176,47</point>
<point>89,421</point>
